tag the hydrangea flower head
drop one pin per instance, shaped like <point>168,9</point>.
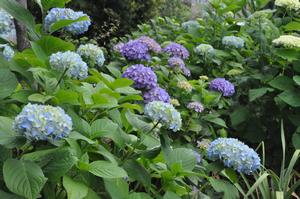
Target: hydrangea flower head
<point>91,53</point>
<point>196,106</point>
<point>156,94</point>
<point>288,4</point>
<point>234,154</point>
<point>190,24</point>
<point>185,86</point>
<point>233,41</point>
<point>151,44</point>
<point>205,50</point>
<point>223,86</point>
<point>118,47</point>
<point>77,68</point>
<point>175,62</point>
<point>7,52</point>
<point>135,50</point>
<point>58,14</point>
<point>177,50</point>
<point>287,41</point>
<point>143,77</point>
<point>43,122</point>
<point>165,114</point>
<point>7,26</point>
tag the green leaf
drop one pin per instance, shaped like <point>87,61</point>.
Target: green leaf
<point>137,172</point>
<point>137,123</point>
<point>120,83</point>
<point>239,115</point>
<point>50,45</point>
<point>257,93</point>
<point>291,97</point>
<point>106,169</point>
<point>92,195</point>
<point>183,156</point>
<point>55,162</point>
<point>296,140</point>
<point>213,119</point>
<point>289,54</point>
<point>139,196</point>
<point>171,195</point>
<point>19,12</point>
<point>221,186</point>
<point>23,178</point>
<point>8,83</point>
<point>117,188</point>
<point>75,189</point>
<point>294,25</point>
<point>47,4</point>
<point>282,83</point>
<point>63,23</point>
<point>8,137</point>
<point>39,98</point>
<point>8,196</point>
<point>296,79</point>
<point>67,97</point>
<point>39,52</point>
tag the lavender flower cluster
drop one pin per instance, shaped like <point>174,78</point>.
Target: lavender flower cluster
<point>234,154</point>
<point>175,62</point>
<point>43,122</point>
<point>196,106</point>
<point>165,114</point>
<point>70,61</point>
<point>58,14</point>
<point>92,54</point>
<point>223,86</point>
<point>156,94</point>
<point>135,50</point>
<point>177,50</point>
<point>150,43</point>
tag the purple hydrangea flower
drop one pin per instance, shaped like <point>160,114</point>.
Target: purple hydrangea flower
<point>151,43</point>
<point>118,47</point>
<point>156,94</point>
<point>177,50</point>
<point>196,106</point>
<point>135,50</point>
<point>143,77</point>
<point>223,86</point>
<point>178,62</point>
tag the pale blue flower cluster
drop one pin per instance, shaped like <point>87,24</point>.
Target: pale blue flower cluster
<point>7,51</point>
<point>205,50</point>
<point>58,14</point>
<point>235,154</point>
<point>92,54</point>
<point>70,61</point>
<point>190,24</point>
<point>43,122</point>
<point>165,114</point>
<point>233,41</point>
<point>7,27</point>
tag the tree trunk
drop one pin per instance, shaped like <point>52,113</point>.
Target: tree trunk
<point>22,41</point>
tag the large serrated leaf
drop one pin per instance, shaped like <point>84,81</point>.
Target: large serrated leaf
<point>106,169</point>
<point>75,189</point>
<point>23,178</point>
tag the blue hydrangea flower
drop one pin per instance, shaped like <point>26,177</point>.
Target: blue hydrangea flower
<point>77,68</point>
<point>197,156</point>
<point>196,106</point>
<point>233,41</point>
<point>177,50</point>
<point>190,24</point>
<point>43,122</point>
<point>223,86</point>
<point>151,44</point>
<point>205,50</point>
<point>234,154</point>
<point>57,14</point>
<point>91,53</point>
<point>7,52</point>
<point>156,94</point>
<point>175,62</point>
<point>135,50</point>
<point>7,26</point>
<point>143,77</point>
<point>164,113</point>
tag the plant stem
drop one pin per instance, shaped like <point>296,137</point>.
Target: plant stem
<point>61,77</point>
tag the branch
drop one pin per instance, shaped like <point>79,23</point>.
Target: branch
<point>22,41</point>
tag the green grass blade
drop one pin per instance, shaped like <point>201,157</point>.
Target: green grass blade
<point>257,183</point>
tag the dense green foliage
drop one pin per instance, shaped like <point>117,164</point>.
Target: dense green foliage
<point>117,147</point>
